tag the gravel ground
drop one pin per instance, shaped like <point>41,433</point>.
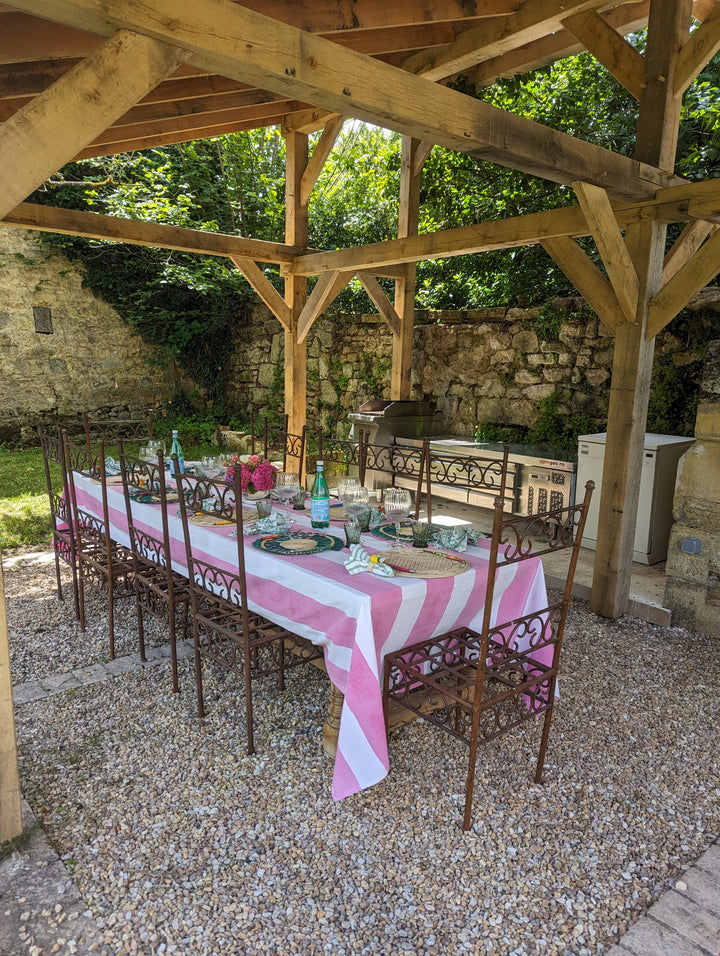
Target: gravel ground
<point>179,842</point>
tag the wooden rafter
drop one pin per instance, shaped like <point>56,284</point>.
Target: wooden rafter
<point>45,135</point>
<point>533,20</point>
<point>71,222</point>
<point>230,40</point>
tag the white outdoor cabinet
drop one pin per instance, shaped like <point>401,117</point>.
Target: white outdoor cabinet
<point>657,486</point>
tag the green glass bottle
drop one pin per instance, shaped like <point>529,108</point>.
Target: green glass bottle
<point>320,500</point>
<point>176,449</point>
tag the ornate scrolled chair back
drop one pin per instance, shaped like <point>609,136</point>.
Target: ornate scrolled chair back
<point>478,684</point>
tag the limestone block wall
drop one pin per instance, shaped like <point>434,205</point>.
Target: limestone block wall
<point>692,587</point>
<point>62,350</point>
<point>482,365</point>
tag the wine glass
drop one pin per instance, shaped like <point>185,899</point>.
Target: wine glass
<point>396,504</point>
<point>287,485</point>
<point>355,500</point>
<point>344,484</point>
<point>211,466</point>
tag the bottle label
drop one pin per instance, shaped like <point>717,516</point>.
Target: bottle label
<point>320,510</point>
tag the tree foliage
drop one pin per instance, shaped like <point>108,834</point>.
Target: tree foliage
<point>186,305</point>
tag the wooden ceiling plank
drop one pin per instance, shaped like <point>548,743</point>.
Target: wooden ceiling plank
<point>586,277</point>
<point>379,297</point>
<point>609,240</point>
<point>181,136</point>
<point>701,47</point>
<point>319,16</point>
<point>320,153</point>
<point>47,133</point>
<point>685,246</point>
<point>267,114</point>
<point>610,48</point>
<point>534,20</point>
<point>265,289</point>
<point>327,288</point>
<point>694,275</point>
<point>27,38</point>
<point>203,107</point>
<point>74,222</point>
<point>251,48</point>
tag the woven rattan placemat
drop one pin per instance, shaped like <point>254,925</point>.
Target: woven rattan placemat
<point>424,564</point>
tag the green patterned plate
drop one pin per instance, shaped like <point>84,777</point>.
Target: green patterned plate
<point>299,542</point>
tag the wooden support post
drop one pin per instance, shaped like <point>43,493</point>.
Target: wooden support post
<point>658,123</point>
<point>296,234</point>
<point>10,805</point>
<point>408,215</point>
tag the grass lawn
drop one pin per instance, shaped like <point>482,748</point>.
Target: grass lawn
<point>24,507</point>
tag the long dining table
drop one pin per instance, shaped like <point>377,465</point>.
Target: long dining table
<point>356,618</point>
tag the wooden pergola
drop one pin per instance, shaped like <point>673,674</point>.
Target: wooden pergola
<point>87,78</point>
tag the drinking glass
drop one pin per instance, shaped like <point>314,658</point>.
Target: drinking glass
<point>396,504</point>
<point>344,484</point>
<point>355,500</point>
<point>287,485</point>
<point>211,466</point>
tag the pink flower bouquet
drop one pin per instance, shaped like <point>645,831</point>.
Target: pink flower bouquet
<point>257,474</point>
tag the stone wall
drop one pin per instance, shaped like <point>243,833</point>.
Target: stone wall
<point>484,365</point>
<point>692,587</point>
<point>63,351</point>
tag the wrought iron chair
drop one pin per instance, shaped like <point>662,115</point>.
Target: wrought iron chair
<point>474,478</point>
<point>111,430</point>
<point>225,631</point>
<point>270,440</point>
<point>101,560</point>
<point>403,464</point>
<point>61,523</point>
<point>158,589</point>
<point>339,453</point>
<point>477,685</point>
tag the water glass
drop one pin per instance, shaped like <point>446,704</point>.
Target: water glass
<point>352,531</point>
<point>420,534</point>
<point>287,485</point>
<point>396,504</point>
<point>344,484</point>
<point>264,507</point>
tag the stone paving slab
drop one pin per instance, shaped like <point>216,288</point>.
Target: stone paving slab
<point>683,922</point>
<point>41,910</point>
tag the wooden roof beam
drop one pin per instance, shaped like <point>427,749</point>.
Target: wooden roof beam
<point>47,133</point>
<point>625,18</point>
<point>534,20</point>
<point>674,204</point>
<point>609,48</point>
<point>92,225</point>
<point>251,48</point>
<point>700,48</point>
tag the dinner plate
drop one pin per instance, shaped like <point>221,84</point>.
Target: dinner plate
<point>299,542</point>
<point>387,531</point>
<point>150,499</point>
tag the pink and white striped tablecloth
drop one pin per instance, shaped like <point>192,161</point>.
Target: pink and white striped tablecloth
<point>356,618</point>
